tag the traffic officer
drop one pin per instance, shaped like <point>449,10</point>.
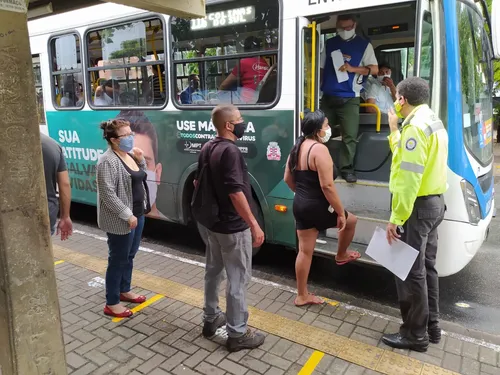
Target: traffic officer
<point>417,184</point>
<point>341,100</point>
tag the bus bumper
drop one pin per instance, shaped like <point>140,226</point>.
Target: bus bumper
<point>459,243</point>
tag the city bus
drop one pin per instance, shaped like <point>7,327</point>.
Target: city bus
<point>165,74</point>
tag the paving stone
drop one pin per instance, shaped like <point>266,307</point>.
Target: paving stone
<point>368,332</point>
<point>124,331</point>
<point>232,367</point>
<point>294,369</point>
<point>453,346</point>
<point>185,346</point>
<point>183,370</point>
<point>452,362</point>
<point>153,339</point>
<point>366,321</point>
<point>83,336</point>
<point>254,364</point>
<point>97,357</point>
<point>195,359</point>
<point>352,317</point>
<point>470,350</point>
<point>159,371</point>
<point>354,370</point>
<point>293,353</point>
<point>174,361</point>
<point>324,364</point>
<point>141,352</point>
<point>134,340</point>
<point>274,371</point>
<point>276,361</point>
<point>75,361</point>
<point>427,358</point>
<point>490,370</point>
<point>152,363</point>
<point>308,317</point>
<point>119,355</point>
<point>207,369</point>
<point>72,346</point>
<point>237,356</point>
<point>365,339</point>
<point>89,368</point>
<point>470,367</point>
<point>487,356</point>
<point>89,346</point>
<point>281,347</point>
<point>346,329</point>
<point>110,344</point>
<point>217,356</point>
<point>129,366</point>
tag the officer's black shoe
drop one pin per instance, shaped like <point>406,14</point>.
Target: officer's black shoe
<point>434,334</point>
<point>396,340</point>
<point>350,177</point>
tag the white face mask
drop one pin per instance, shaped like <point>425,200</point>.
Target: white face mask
<point>327,136</point>
<point>152,186</point>
<point>346,35</point>
<point>381,78</point>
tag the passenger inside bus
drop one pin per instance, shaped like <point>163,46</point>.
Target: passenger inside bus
<point>192,93</point>
<point>110,94</point>
<point>380,90</point>
<point>249,72</point>
<point>157,81</point>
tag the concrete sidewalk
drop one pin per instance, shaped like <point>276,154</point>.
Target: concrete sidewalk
<point>164,336</point>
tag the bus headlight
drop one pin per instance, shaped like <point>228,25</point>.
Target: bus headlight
<point>471,203</point>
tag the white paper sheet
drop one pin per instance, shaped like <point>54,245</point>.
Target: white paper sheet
<point>338,61</point>
<point>397,258</point>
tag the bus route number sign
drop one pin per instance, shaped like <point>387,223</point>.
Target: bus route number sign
<point>224,18</point>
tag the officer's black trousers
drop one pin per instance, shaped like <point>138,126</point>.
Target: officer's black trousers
<point>419,293</point>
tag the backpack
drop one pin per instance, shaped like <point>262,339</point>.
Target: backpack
<point>204,204</point>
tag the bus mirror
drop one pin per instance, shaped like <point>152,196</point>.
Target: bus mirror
<point>495,25</point>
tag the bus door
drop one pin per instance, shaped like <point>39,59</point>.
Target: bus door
<point>307,67</point>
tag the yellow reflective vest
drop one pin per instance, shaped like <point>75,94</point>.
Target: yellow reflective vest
<point>419,161</point>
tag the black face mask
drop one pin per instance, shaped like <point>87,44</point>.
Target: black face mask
<point>239,129</point>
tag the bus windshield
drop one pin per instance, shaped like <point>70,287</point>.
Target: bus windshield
<point>477,83</point>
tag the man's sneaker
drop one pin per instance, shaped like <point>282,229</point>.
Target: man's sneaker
<point>434,334</point>
<point>250,340</point>
<point>210,328</point>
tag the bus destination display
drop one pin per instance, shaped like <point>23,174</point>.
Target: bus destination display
<point>224,18</point>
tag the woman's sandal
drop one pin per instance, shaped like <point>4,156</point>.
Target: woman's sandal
<point>126,314</point>
<point>140,299</point>
<point>353,256</point>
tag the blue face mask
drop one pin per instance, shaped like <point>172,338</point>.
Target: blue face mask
<point>126,143</point>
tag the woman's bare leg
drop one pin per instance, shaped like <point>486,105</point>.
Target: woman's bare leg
<point>307,242</point>
<point>345,237</point>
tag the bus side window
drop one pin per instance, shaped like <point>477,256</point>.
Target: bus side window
<point>229,57</point>
<point>126,65</point>
<point>40,108</point>
<point>66,67</point>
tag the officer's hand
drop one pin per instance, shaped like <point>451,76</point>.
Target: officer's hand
<point>393,120</point>
<point>392,233</point>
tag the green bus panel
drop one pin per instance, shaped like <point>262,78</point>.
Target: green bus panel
<point>180,136</point>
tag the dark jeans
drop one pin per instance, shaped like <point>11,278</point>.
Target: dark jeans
<point>343,112</point>
<point>419,294</point>
<point>122,250</point>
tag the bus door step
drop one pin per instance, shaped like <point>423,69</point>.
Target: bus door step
<point>327,246</point>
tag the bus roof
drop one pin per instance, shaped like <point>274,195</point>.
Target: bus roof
<point>80,18</point>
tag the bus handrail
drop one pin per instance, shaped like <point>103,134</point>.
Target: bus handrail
<point>379,114</point>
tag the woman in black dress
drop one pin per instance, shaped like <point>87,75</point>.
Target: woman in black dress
<point>316,206</point>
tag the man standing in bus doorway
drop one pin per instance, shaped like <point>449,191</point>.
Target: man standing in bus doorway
<point>417,183</point>
<point>340,100</point>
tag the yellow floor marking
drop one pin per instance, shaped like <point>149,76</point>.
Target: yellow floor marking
<point>331,301</point>
<point>311,363</point>
<point>353,351</point>
<point>58,262</point>
<point>141,306</point>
